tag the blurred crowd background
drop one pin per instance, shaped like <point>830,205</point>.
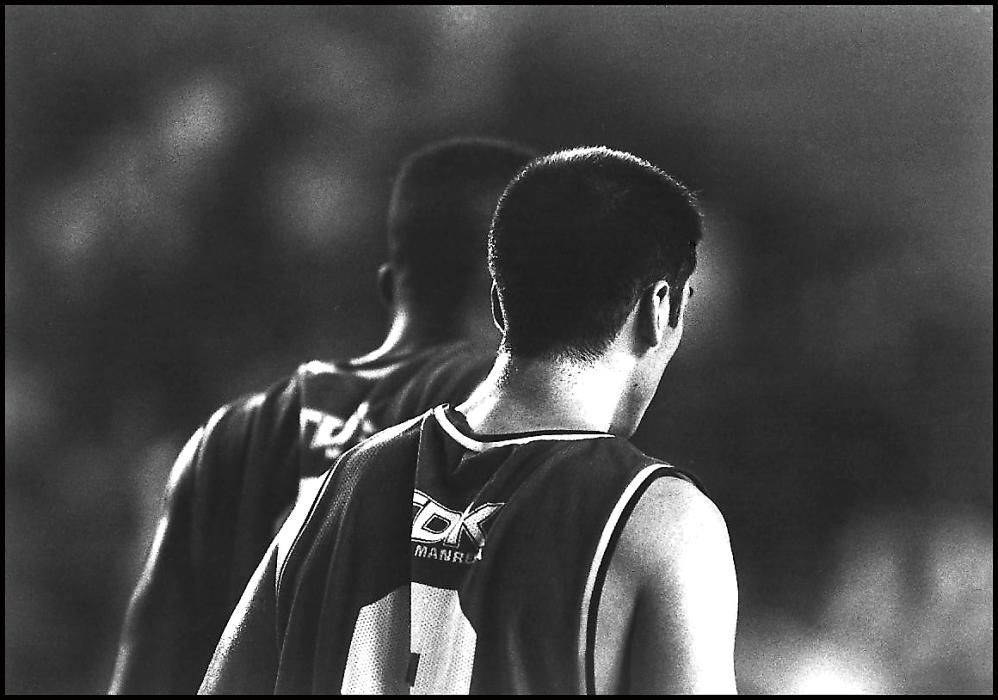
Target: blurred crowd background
<point>195,201</point>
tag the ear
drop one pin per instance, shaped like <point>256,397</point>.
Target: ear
<point>386,284</point>
<point>653,314</point>
<point>497,317</point>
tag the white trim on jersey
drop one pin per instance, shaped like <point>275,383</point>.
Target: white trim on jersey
<point>371,373</point>
<point>379,367</point>
<point>319,367</point>
<point>479,446</point>
<point>601,549</point>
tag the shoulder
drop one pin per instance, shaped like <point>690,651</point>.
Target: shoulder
<point>669,590</point>
<point>276,402</point>
<point>674,559</point>
<point>213,455</point>
<point>671,539</point>
<point>674,526</point>
<point>674,502</point>
<point>267,414</point>
<point>672,573</point>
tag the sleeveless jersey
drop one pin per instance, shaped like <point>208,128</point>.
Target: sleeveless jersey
<point>236,481</point>
<point>440,561</point>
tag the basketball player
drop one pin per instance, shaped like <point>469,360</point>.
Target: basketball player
<point>253,460</point>
<point>519,543</point>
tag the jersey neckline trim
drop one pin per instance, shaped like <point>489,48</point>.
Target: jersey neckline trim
<point>479,443</point>
<point>381,366</point>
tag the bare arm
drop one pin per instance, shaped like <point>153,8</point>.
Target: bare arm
<point>668,608</point>
<point>156,654</point>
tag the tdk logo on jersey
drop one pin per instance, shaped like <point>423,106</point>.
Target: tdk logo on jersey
<point>433,524</point>
<point>334,435</point>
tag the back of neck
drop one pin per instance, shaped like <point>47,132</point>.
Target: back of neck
<point>521,395</point>
<point>410,333</point>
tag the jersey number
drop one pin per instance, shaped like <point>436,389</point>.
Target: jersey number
<point>414,640</point>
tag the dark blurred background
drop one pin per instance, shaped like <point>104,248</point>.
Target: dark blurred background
<point>195,201</point>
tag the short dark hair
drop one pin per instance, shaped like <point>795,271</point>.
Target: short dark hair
<point>576,238</point>
<point>440,213</point>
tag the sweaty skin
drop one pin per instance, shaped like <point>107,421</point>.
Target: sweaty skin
<point>666,620</point>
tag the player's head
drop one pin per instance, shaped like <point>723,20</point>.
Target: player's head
<point>438,222</point>
<point>578,237</point>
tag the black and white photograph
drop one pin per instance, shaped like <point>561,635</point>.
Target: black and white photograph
<point>499,349</point>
